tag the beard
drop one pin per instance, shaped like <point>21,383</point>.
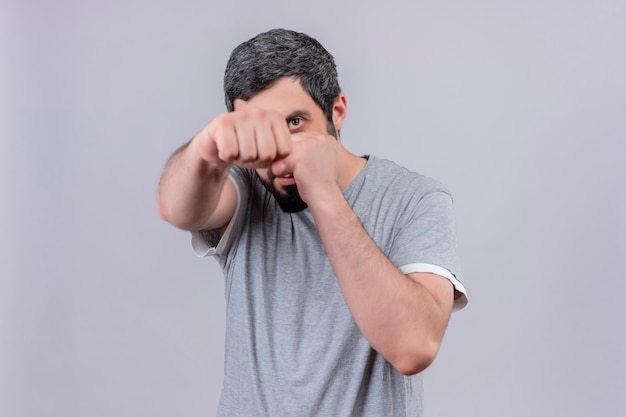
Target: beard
<point>289,200</point>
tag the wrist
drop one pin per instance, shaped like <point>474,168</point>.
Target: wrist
<point>327,201</point>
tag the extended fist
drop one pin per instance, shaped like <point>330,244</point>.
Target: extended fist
<point>251,138</point>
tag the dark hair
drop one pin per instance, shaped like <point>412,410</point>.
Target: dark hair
<point>257,64</point>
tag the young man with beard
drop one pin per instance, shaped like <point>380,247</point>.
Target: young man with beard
<point>340,270</point>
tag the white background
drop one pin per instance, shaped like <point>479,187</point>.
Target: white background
<point>519,108</point>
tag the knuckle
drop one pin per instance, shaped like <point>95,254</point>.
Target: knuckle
<point>227,155</point>
<point>225,119</point>
<point>266,156</point>
<point>248,155</point>
<point>259,113</point>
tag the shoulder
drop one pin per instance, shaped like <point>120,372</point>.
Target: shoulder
<point>246,181</point>
<point>402,180</point>
<point>241,174</point>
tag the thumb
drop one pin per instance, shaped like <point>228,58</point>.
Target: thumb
<point>278,167</point>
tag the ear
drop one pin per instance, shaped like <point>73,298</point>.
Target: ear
<point>340,107</point>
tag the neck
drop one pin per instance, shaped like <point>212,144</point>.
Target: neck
<point>349,167</point>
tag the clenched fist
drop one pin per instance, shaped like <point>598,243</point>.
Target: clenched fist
<point>250,138</point>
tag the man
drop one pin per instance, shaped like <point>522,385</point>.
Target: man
<point>340,270</point>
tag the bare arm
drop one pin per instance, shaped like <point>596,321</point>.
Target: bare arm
<point>194,192</point>
<point>403,317</point>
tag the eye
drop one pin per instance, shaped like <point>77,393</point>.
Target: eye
<point>295,123</point>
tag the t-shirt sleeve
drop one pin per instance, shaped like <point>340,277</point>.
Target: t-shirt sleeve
<point>208,242</point>
<point>425,240</point>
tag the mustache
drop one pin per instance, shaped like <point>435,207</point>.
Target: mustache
<point>270,175</point>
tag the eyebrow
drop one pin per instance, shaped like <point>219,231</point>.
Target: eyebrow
<point>297,113</point>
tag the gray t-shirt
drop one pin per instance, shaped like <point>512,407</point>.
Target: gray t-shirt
<point>292,347</point>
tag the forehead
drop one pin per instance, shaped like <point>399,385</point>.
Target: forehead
<point>284,96</point>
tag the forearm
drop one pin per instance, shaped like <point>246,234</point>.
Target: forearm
<point>190,188</point>
<point>397,315</point>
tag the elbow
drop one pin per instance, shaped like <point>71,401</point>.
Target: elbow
<point>177,217</point>
<point>162,212</point>
<point>413,360</point>
<point>162,208</point>
<point>412,365</point>
<point>167,213</point>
